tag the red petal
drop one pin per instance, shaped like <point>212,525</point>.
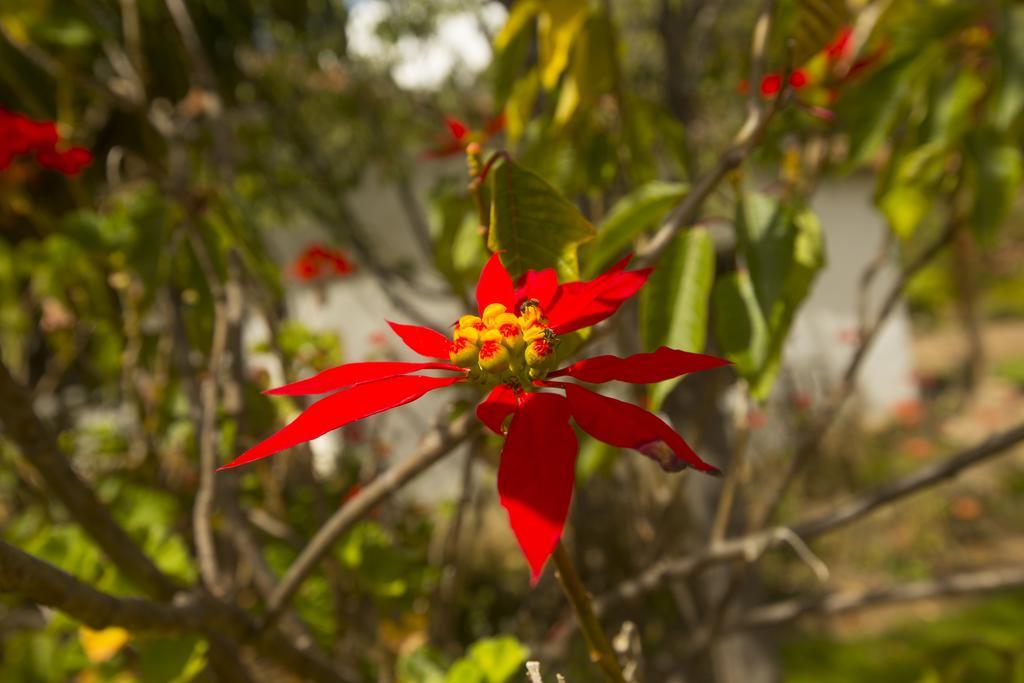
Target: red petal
<point>625,425</point>
<point>495,125</point>
<point>337,410</point>
<point>456,127</point>
<point>423,340</point>
<point>351,374</point>
<point>642,368</point>
<point>839,46</point>
<point>582,304</point>
<point>536,475</point>
<point>541,285</point>
<point>495,285</point>
<point>494,409</point>
<point>771,84</point>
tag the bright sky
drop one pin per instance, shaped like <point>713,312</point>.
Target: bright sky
<point>460,47</point>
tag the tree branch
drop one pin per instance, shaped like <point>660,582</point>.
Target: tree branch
<point>752,546</point>
<point>40,450</point>
<point>962,583</point>
<point>435,445</point>
<point>49,586</point>
<point>759,115</point>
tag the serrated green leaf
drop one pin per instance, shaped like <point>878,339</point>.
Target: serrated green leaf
<point>638,211</point>
<point>532,224</point>
<point>674,303</point>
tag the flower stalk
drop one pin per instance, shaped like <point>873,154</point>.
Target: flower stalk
<point>601,652</point>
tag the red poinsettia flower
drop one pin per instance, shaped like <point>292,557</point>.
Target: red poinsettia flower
<point>510,350</point>
<point>317,261</point>
<point>819,69</point>
<point>20,135</point>
<point>459,135</point>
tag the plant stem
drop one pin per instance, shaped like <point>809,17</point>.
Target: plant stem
<point>601,651</point>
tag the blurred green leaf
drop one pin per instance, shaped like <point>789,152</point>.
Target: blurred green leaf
<point>494,660</point>
<point>533,224</point>
<point>996,172</point>
<point>1009,98</point>
<point>638,211</point>
<point>558,23</point>
<point>876,104</point>
<point>674,302</point>
<point>422,665</point>
<point>782,247</point>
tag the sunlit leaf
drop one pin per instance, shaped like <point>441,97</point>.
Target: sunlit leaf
<point>674,303</point>
<point>532,224</point>
<point>100,646</point>
<point>638,211</point>
<point>557,26</point>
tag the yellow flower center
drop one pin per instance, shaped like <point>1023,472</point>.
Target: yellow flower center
<point>500,346</point>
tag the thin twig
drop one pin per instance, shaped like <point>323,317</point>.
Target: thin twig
<point>601,652</point>
<point>39,448</point>
<point>754,544</point>
<point>759,115</point>
<point>817,431</point>
<point>435,445</point>
<point>960,583</point>
<point>44,584</point>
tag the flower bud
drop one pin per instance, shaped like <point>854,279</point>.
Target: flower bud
<point>511,334</point>
<point>540,356</point>
<point>491,313</point>
<point>494,357</point>
<point>463,352</point>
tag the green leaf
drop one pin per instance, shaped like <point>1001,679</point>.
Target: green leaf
<point>590,72</point>
<point>518,19</point>
<point>557,26</point>
<point>996,171</point>
<point>881,97</point>
<point>954,106</point>
<point>638,211</point>
<point>782,247</point>
<point>422,665</point>
<point>740,327</point>
<point>519,106</point>
<point>493,660</point>
<point>596,457</point>
<point>1009,99</point>
<point>904,206</point>
<point>533,224</point>
<point>674,303</point>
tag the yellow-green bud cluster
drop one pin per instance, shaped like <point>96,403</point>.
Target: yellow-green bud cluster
<point>502,346</point>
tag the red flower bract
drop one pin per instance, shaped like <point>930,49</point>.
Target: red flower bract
<point>317,261</point>
<point>509,348</point>
<point>458,134</point>
<point>20,135</point>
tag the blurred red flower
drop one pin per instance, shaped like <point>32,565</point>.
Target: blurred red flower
<point>458,135</point>
<point>513,356</point>
<point>317,261</point>
<point>20,135</point>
